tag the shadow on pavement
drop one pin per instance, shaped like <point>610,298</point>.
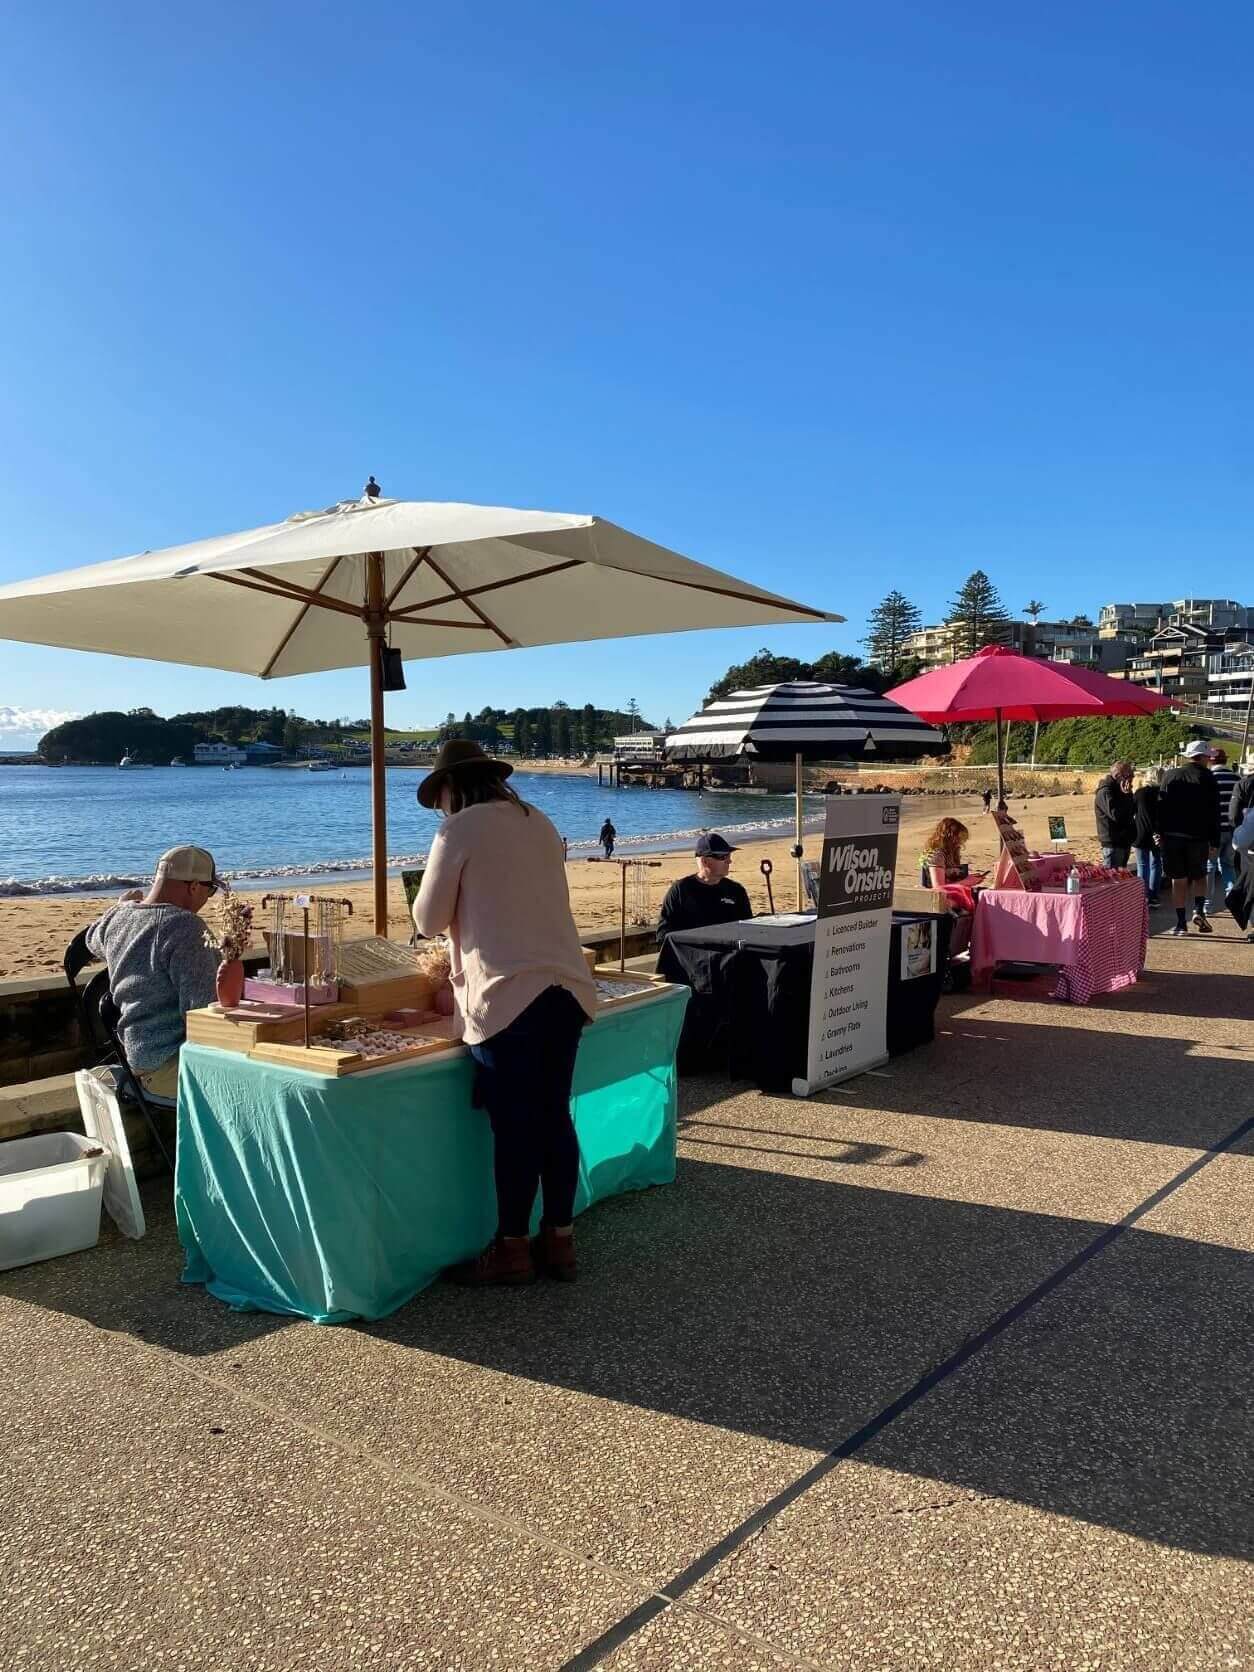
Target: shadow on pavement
<point>1097,1082</point>
<point>134,1288</point>
<point>794,1309</point>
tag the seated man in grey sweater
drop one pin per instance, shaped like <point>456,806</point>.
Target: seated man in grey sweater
<point>160,963</point>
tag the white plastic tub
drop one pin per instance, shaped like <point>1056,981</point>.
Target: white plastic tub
<point>50,1194</point>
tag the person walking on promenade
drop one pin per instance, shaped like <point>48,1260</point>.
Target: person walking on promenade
<point>496,884</point>
<point>1149,861</point>
<point>1115,813</point>
<point>606,838</point>
<point>1188,828</point>
<point>1239,809</point>
<point>1224,865</point>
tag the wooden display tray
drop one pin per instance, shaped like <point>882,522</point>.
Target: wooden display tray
<point>338,1060</point>
<point>236,1030</point>
<point>645,985</point>
<point>397,992</point>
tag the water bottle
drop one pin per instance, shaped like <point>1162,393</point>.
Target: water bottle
<point>1073,880</point>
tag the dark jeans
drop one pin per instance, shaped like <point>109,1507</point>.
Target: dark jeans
<point>523,1079</point>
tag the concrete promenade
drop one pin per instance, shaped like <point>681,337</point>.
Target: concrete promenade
<point>950,1367</point>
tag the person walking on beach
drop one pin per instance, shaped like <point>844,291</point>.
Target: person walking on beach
<point>1149,861</point>
<point>495,883</point>
<point>606,838</point>
<point>1115,814</point>
<point>1188,827</point>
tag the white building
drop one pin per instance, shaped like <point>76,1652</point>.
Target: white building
<point>218,754</point>
<point>1229,675</point>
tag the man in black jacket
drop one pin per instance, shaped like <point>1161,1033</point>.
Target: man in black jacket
<point>1188,827</point>
<point>1115,812</point>
<point>709,897</point>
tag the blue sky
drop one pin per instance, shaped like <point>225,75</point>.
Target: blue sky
<point>837,297</point>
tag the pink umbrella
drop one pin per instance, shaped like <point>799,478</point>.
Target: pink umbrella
<point>1000,685</point>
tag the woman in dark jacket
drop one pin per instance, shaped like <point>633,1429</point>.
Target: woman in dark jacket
<point>1115,815</point>
<point>1149,862</point>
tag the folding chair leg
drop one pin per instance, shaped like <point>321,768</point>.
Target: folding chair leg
<point>150,1117</point>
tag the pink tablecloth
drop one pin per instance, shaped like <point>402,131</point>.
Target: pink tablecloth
<point>1097,938</point>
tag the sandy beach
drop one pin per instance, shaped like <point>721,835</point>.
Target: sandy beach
<point>35,930</point>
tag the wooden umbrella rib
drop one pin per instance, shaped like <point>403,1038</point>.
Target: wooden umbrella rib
<point>731,592</point>
<point>434,621</point>
<point>420,557</point>
<point>470,604</point>
<point>301,614</point>
<point>303,595</point>
<point>470,592</point>
<point>490,586</point>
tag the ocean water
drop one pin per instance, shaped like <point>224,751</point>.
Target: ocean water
<point>69,828</point>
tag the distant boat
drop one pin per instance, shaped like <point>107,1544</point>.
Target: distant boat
<point>322,766</point>
<point>129,763</point>
<point>177,762</point>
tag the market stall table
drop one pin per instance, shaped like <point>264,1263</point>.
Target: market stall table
<point>333,1199</point>
<point>1097,938</point>
<point>751,981</point>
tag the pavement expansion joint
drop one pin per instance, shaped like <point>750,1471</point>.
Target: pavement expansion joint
<point>672,1593</point>
<point>745,1636</point>
<point>633,1583</point>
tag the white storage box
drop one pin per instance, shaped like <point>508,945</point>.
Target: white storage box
<point>52,1185</point>
<point>50,1193</point>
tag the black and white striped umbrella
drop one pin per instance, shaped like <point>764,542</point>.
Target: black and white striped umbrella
<point>803,718</point>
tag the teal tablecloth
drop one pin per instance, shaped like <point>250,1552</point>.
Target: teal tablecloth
<point>339,1199</point>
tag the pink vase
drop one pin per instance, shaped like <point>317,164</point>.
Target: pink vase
<point>230,983</point>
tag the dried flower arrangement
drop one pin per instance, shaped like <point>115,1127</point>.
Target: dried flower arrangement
<point>433,960</point>
<point>232,929</point>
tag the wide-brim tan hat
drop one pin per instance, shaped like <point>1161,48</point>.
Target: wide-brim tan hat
<point>457,752</point>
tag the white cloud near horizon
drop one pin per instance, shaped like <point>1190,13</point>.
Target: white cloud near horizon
<point>33,720</point>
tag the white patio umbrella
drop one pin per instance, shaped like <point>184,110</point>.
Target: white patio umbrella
<point>803,720</point>
<point>332,589</point>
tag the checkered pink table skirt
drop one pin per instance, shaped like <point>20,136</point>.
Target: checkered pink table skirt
<point>1097,938</point>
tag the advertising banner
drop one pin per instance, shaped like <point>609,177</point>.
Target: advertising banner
<point>849,994</point>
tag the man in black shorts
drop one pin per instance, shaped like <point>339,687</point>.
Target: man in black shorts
<point>1188,828</point>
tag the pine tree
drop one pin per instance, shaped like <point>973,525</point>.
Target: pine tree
<point>633,708</point>
<point>561,730</point>
<point>542,731</point>
<point>589,727</point>
<point>522,732</point>
<point>763,669</point>
<point>977,616</point>
<point>889,626</point>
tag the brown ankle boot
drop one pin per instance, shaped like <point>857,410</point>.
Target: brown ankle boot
<point>558,1254</point>
<point>504,1260</point>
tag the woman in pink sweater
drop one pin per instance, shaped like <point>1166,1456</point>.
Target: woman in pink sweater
<point>495,883</point>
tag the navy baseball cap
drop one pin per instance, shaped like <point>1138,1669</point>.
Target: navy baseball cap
<point>713,846</point>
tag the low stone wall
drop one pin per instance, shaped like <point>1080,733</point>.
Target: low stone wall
<point>40,1032</point>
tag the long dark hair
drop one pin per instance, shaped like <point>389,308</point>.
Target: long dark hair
<point>471,786</point>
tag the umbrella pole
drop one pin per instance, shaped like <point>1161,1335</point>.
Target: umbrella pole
<point>376,627</point>
<point>1001,758</point>
<point>801,887</point>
